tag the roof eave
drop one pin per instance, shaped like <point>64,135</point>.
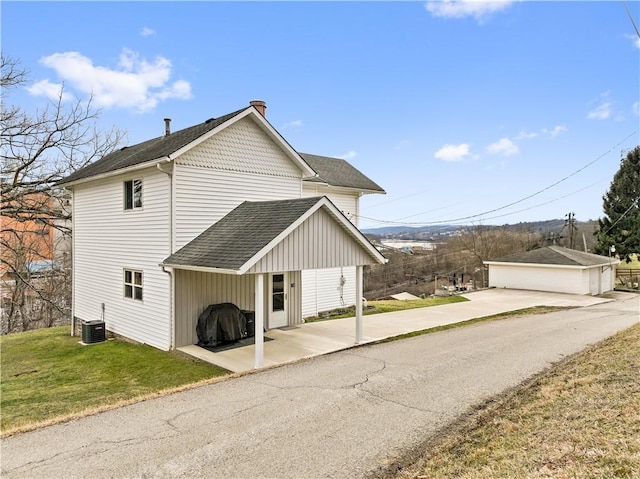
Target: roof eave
<point>122,171</point>
<point>543,265</point>
<point>348,189</point>
<point>203,269</point>
<point>324,201</point>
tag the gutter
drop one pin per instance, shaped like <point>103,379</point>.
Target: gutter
<point>172,309</point>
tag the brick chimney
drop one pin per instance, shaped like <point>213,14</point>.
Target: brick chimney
<point>167,126</point>
<point>260,105</point>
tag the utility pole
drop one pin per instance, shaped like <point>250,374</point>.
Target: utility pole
<point>571,223</point>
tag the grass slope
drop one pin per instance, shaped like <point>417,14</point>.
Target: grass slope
<point>579,419</point>
<point>375,307</point>
<point>47,374</point>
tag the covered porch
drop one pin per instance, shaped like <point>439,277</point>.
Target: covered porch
<point>253,257</point>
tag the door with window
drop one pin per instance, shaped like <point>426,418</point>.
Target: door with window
<point>278,300</point>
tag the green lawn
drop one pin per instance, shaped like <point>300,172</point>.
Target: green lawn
<point>48,375</point>
<point>375,307</point>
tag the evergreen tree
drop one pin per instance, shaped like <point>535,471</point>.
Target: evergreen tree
<point>620,226</point>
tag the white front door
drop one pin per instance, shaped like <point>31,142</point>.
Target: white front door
<point>278,300</point>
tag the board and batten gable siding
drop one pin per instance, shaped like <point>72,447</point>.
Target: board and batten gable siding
<point>107,240</point>
<point>195,290</point>
<point>539,278</point>
<point>332,246</point>
<point>240,163</point>
<point>326,289</point>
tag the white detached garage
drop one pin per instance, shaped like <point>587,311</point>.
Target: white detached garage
<point>555,269</point>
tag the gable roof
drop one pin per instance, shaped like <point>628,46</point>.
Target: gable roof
<point>556,255</point>
<point>149,150</point>
<point>332,171</point>
<point>247,233</point>
<point>338,172</point>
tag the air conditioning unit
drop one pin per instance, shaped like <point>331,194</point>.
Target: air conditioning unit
<point>93,332</point>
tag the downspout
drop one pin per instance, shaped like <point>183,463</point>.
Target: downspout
<point>172,326</point>
<point>73,263</point>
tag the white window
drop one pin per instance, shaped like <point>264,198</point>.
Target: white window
<point>133,284</point>
<point>132,194</point>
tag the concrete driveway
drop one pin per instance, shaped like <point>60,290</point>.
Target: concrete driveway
<point>314,339</point>
<point>341,415</point>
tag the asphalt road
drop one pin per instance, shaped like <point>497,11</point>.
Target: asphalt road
<point>343,415</point>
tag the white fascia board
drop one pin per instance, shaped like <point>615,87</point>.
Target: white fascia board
<point>123,171</point>
<point>202,269</point>
<point>551,266</point>
<point>338,216</point>
<point>343,189</point>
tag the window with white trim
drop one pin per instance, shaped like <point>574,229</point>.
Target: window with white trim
<point>132,194</point>
<point>133,284</point>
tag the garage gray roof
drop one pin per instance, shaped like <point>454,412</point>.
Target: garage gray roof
<point>338,172</point>
<point>554,255</point>
<point>241,234</point>
<point>149,150</point>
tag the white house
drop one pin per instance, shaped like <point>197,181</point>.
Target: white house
<point>223,211</point>
<point>556,269</point>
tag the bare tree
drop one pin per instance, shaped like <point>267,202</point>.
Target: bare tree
<point>37,151</point>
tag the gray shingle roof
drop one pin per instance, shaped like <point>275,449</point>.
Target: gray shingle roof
<point>338,172</point>
<point>555,255</point>
<point>334,171</point>
<point>242,233</point>
<point>148,150</point>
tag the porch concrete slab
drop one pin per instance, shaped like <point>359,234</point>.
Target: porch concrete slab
<point>322,337</point>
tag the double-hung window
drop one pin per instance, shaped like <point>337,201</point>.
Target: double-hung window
<point>133,284</point>
<point>132,194</point>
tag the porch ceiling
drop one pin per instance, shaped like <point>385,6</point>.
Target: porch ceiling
<point>272,236</point>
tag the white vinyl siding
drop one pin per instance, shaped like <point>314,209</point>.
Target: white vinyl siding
<point>319,242</point>
<point>347,203</point>
<point>204,196</point>
<point>245,148</point>
<point>322,289</point>
<point>573,280</point>
<point>196,290</point>
<point>107,241</point>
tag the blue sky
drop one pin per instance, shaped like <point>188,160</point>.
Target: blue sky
<point>456,109</point>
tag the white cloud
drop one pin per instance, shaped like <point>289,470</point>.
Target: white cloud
<point>601,112</point>
<point>604,110</point>
<point>525,135</point>
<point>48,89</point>
<point>478,9</point>
<point>504,146</point>
<point>292,124</point>
<point>634,38</point>
<point>134,84</point>
<point>635,108</point>
<point>452,152</point>
<point>348,155</point>
<point>147,32</point>
<point>555,132</point>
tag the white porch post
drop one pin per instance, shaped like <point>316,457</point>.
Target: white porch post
<point>359,292</point>
<point>259,321</point>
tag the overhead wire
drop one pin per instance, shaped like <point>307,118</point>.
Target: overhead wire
<point>478,215</point>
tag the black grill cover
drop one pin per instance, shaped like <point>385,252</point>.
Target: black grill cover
<point>221,323</point>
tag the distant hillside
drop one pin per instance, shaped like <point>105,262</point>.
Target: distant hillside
<point>422,232</point>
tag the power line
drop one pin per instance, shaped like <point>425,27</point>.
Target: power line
<point>464,218</point>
